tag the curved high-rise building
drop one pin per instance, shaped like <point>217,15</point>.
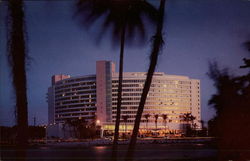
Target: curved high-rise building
<point>94,97</point>
<point>72,98</point>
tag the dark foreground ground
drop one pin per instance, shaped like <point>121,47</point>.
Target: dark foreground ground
<point>144,152</point>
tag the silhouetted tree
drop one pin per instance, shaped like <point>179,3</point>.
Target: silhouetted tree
<point>17,54</point>
<point>156,47</point>
<point>125,16</point>
<point>188,118</point>
<point>192,118</point>
<point>165,117</point>
<point>202,123</point>
<point>156,116</point>
<point>68,123</point>
<point>82,128</point>
<point>213,127</point>
<point>246,61</point>
<point>231,103</point>
<point>36,132</point>
<point>73,125</point>
<point>146,116</point>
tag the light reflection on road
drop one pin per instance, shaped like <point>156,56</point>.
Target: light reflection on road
<point>100,149</point>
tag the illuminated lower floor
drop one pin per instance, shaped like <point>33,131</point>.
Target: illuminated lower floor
<point>150,129</point>
<point>144,128</point>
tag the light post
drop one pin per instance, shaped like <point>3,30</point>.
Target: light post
<point>98,124</point>
<point>45,134</point>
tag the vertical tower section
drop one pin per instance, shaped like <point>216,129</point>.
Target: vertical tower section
<point>104,70</point>
<point>195,95</point>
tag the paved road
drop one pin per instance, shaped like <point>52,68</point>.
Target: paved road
<point>144,152</point>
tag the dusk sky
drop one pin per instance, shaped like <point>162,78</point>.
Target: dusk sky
<point>196,32</point>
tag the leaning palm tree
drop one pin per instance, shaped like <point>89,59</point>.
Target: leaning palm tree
<point>146,116</point>
<point>17,54</point>
<point>165,117</point>
<point>156,116</point>
<point>156,47</point>
<point>126,18</point>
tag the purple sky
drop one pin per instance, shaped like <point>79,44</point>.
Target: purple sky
<point>196,31</point>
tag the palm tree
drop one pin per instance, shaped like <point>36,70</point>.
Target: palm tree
<point>231,100</point>
<point>202,124</point>
<point>126,18</point>
<point>17,54</point>
<point>187,118</point>
<point>195,129</point>
<point>156,120</point>
<point>125,119</point>
<point>165,117</point>
<point>156,47</point>
<point>147,118</point>
<point>246,61</point>
<point>71,126</point>
<point>74,123</point>
<point>192,118</point>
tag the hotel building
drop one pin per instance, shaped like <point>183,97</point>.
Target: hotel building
<point>94,97</point>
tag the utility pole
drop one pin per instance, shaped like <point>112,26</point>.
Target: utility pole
<point>34,120</point>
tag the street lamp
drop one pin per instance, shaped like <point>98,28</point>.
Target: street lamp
<point>98,122</point>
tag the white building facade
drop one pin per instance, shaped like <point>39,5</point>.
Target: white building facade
<point>71,98</point>
<point>94,97</point>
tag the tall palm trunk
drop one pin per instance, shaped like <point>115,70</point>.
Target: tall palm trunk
<point>119,95</point>
<point>165,124</point>
<point>157,44</point>
<point>156,121</point>
<point>17,61</point>
<point>164,116</point>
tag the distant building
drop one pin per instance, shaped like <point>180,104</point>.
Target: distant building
<point>94,97</point>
